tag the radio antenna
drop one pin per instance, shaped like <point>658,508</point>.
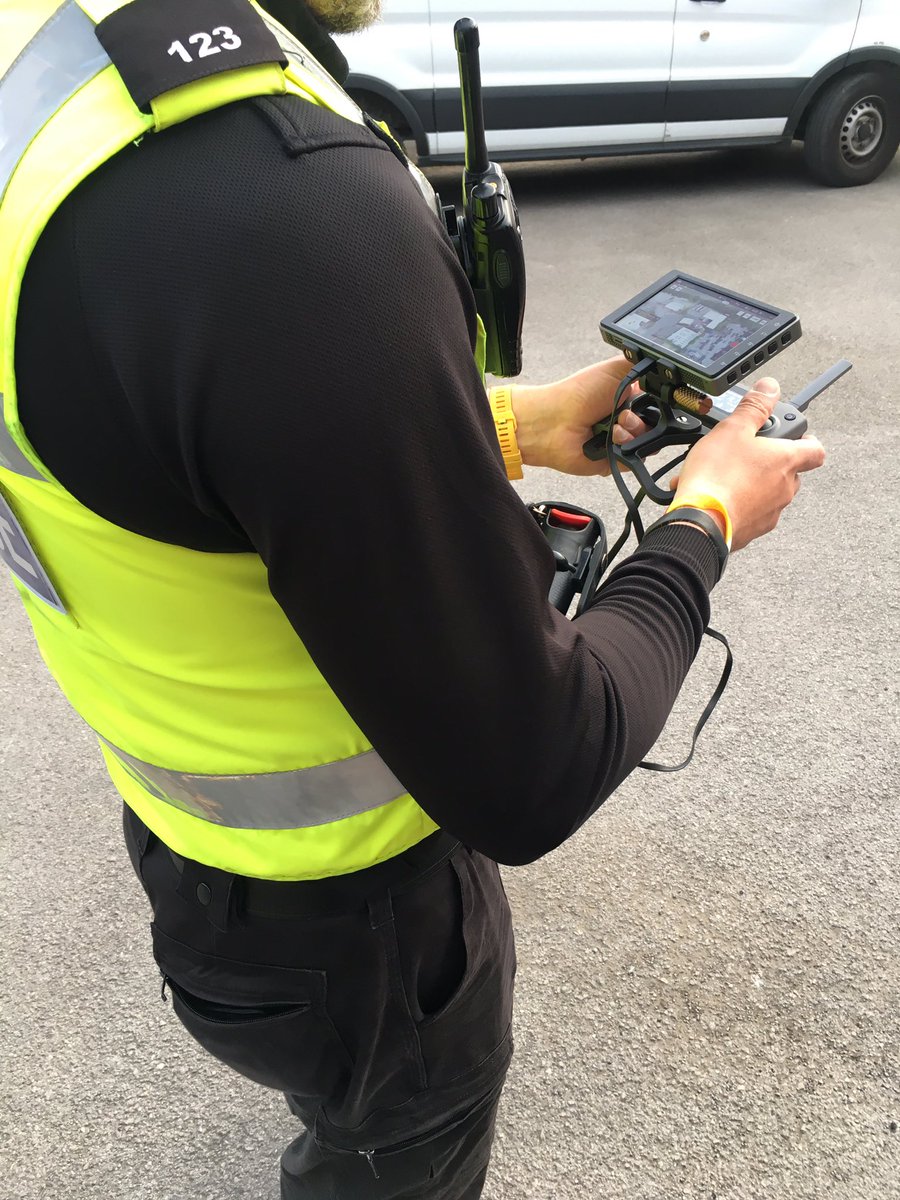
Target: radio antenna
<point>465,33</point>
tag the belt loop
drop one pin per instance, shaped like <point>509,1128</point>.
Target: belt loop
<point>143,837</point>
<point>381,910</point>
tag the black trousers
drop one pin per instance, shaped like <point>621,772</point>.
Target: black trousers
<point>380,1003</point>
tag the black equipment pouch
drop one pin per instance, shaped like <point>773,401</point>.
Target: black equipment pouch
<point>577,538</point>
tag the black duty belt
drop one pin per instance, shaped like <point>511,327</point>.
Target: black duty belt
<point>318,897</point>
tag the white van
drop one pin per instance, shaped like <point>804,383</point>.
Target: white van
<point>634,76</point>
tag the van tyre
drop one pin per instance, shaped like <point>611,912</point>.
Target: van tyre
<point>380,109</point>
<point>854,129</point>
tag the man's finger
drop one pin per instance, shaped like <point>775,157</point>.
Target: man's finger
<point>810,453</point>
<point>631,423</point>
<point>757,406</point>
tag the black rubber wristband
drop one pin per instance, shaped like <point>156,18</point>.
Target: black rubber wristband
<point>698,516</point>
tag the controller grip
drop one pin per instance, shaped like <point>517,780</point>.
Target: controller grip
<point>595,447</point>
<point>562,590</point>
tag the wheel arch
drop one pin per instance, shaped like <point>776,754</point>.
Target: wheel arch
<point>866,56</point>
<point>396,100</point>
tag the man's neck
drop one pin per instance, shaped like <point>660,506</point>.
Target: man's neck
<point>297,17</point>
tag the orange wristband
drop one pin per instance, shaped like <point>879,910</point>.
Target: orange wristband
<point>500,400</point>
<point>711,503</point>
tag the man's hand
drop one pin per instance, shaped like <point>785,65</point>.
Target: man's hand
<point>554,420</point>
<point>756,478</point>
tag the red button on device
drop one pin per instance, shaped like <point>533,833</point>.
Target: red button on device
<point>558,516</point>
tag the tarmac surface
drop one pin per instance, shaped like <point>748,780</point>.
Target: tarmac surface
<point>709,983</point>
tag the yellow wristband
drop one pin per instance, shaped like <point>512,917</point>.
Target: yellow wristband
<point>500,400</point>
<point>712,503</point>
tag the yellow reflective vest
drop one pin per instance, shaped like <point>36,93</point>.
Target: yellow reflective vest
<point>215,724</point>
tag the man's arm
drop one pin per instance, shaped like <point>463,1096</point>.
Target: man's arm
<point>368,478</point>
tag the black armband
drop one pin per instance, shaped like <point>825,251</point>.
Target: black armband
<point>698,516</point>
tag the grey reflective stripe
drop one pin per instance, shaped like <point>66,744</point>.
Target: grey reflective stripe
<point>11,456</point>
<point>304,58</point>
<point>23,560</point>
<point>282,800</point>
<point>59,60</point>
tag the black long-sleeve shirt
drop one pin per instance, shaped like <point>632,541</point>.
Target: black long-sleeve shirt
<point>250,334</point>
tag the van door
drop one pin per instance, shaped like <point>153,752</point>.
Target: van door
<point>591,74</point>
<point>738,66</point>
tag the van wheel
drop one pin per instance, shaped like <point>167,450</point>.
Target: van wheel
<point>853,130</point>
<point>380,110</point>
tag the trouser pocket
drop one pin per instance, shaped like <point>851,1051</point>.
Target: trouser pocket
<point>471,1029</point>
<point>446,1162</point>
<point>268,1023</point>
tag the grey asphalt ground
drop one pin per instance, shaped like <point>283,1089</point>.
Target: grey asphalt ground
<point>709,984</point>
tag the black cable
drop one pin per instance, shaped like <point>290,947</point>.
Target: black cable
<point>707,712</point>
<point>638,498</point>
<point>633,520</point>
<point>631,506</point>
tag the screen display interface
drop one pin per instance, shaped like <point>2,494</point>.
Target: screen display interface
<point>697,324</point>
<point>729,401</point>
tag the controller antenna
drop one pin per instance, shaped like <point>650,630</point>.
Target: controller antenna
<point>805,397</point>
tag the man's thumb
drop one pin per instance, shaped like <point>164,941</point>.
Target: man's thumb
<point>758,404</point>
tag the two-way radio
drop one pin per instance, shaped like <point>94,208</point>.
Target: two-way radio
<point>487,236</point>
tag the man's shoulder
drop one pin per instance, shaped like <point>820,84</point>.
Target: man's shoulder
<point>301,127</point>
<point>261,167</point>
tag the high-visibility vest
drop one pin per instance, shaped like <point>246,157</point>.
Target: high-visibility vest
<point>216,726</point>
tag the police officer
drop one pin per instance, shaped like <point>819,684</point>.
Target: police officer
<point>253,498</point>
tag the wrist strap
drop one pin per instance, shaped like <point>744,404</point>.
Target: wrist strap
<point>697,516</point>
<point>705,500</point>
<point>500,400</point>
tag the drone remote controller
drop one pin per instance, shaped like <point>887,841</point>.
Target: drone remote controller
<point>694,342</point>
